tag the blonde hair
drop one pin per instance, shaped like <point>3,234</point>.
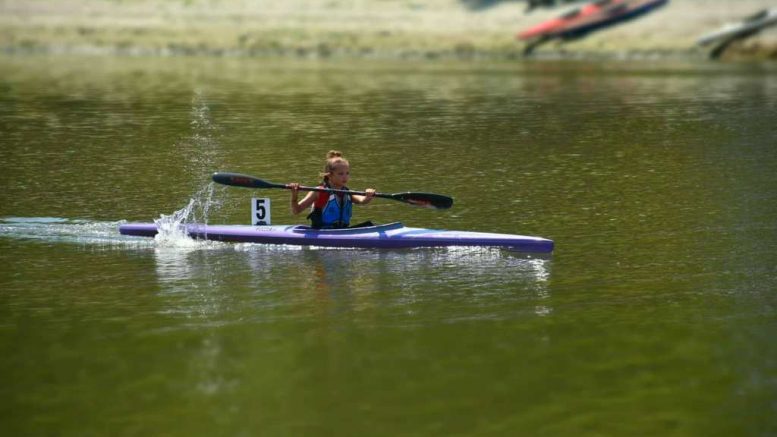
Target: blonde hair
<point>333,159</point>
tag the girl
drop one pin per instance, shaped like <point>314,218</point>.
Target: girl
<point>331,210</point>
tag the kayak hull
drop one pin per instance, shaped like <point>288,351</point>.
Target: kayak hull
<point>389,236</point>
<point>591,17</point>
<point>628,11</point>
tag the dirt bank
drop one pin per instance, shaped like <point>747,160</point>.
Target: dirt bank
<point>351,28</point>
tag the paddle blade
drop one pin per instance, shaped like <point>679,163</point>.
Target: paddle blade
<point>426,200</point>
<point>242,180</point>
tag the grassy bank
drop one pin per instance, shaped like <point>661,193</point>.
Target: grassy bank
<point>348,28</point>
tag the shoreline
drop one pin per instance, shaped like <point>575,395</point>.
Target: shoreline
<point>388,29</point>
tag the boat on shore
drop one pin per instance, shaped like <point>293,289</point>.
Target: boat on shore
<point>386,236</point>
<point>742,29</point>
<point>586,19</point>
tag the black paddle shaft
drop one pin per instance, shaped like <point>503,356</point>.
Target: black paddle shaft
<point>429,200</point>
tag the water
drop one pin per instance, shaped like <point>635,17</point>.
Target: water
<point>655,314</point>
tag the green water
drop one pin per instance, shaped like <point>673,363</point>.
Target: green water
<point>655,315</point>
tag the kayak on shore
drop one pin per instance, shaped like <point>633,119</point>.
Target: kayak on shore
<point>744,28</point>
<point>387,236</point>
<point>588,18</point>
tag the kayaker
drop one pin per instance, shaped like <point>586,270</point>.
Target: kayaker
<point>331,210</point>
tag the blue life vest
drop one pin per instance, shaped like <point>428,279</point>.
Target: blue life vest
<point>335,212</point>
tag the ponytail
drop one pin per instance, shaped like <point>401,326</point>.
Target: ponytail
<point>333,159</point>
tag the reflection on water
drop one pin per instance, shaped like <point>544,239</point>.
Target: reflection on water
<point>189,280</point>
<point>286,281</point>
<point>400,280</point>
<point>197,272</point>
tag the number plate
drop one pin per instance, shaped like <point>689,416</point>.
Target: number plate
<point>260,211</point>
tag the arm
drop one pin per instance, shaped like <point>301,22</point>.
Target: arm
<point>297,206</point>
<point>363,200</point>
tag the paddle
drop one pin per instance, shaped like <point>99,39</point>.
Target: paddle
<point>428,200</point>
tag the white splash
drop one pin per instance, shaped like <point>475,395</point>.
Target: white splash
<point>171,229</point>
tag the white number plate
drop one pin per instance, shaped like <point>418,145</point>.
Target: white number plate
<point>260,211</point>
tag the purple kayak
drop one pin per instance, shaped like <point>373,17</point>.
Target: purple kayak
<point>388,236</point>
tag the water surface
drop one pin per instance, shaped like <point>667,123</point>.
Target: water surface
<point>654,315</point>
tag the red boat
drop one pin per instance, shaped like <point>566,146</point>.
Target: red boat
<point>588,18</point>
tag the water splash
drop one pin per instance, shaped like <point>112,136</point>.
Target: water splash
<point>201,152</point>
<point>171,229</point>
<point>201,148</point>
